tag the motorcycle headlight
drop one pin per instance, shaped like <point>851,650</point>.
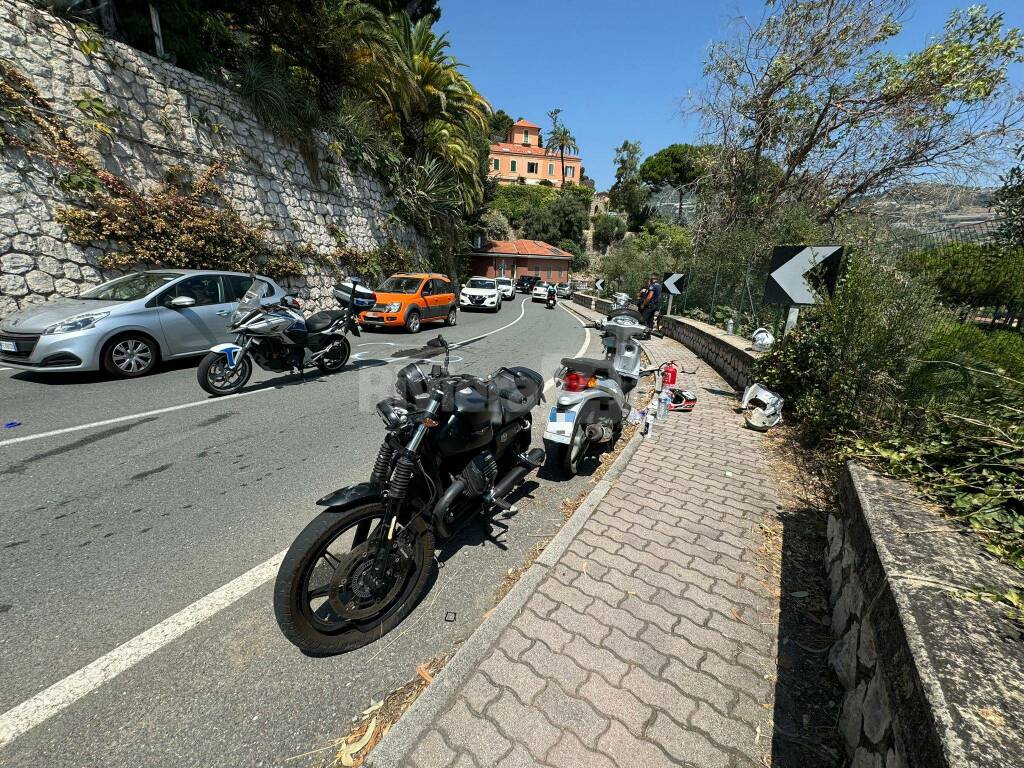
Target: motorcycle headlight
<point>394,306</point>
<point>75,323</point>
<point>393,418</point>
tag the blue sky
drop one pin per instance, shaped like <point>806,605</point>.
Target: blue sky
<point>619,69</point>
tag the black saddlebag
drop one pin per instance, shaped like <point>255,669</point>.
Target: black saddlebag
<point>517,391</point>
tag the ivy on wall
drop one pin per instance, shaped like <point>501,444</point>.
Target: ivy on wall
<point>185,223</point>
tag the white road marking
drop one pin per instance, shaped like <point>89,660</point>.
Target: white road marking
<point>70,689</point>
<point>66,692</point>
<point>6,369</point>
<point>130,417</point>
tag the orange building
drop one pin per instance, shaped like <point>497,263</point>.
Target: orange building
<point>515,258</point>
<point>521,159</point>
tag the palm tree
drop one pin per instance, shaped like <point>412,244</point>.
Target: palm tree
<point>560,139</point>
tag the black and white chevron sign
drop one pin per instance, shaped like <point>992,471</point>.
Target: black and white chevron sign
<point>674,282</point>
<point>599,284</point>
<point>787,279</point>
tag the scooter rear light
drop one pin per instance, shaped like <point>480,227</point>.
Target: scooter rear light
<point>574,382</point>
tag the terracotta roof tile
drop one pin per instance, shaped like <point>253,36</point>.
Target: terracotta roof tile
<point>525,124</point>
<point>524,248</point>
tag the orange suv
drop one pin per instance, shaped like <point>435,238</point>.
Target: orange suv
<point>411,299</point>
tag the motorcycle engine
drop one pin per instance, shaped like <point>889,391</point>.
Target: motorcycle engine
<point>479,474</point>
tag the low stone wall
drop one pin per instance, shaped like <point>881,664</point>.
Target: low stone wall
<point>933,673</point>
<point>731,356</point>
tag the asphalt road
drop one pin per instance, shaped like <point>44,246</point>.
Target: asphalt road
<point>125,517</point>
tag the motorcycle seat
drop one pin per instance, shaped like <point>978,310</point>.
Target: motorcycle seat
<point>590,366</point>
<point>321,320</point>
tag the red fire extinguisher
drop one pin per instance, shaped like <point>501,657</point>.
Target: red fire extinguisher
<point>668,374</point>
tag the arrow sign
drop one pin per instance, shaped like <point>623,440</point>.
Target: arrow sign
<point>787,280</point>
<point>599,284</point>
<point>674,282</point>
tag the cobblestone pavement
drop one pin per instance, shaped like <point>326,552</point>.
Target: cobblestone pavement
<point>651,642</point>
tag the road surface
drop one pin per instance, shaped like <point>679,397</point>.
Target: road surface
<point>138,531</point>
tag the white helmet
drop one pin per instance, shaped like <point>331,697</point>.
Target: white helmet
<point>762,340</point>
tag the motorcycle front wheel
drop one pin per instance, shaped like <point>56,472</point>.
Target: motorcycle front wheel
<point>335,359</point>
<point>326,599</point>
<point>216,378</point>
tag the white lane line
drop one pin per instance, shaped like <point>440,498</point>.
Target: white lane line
<point>66,692</point>
<point>6,369</point>
<point>130,417</point>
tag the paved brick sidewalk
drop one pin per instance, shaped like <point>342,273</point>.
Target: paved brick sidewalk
<point>651,641</point>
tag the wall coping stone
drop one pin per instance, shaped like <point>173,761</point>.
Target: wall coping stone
<point>954,664</point>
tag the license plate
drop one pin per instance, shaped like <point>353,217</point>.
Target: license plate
<point>8,346</point>
<point>563,416</point>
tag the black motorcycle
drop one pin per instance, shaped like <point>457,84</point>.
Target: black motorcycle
<point>280,338</point>
<point>456,446</point>
<point>552,298</point>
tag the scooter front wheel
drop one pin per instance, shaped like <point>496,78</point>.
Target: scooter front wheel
<point>218,379</point>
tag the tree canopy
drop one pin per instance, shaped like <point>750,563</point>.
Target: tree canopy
<point>629,193</point>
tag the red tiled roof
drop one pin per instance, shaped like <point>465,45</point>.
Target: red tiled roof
<point>525,124</point>
<point>524,248</point>
<point>509,148</point>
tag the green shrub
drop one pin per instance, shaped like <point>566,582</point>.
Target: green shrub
<point>514,200</point>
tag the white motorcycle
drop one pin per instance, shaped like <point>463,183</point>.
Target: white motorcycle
<point>592,403</point>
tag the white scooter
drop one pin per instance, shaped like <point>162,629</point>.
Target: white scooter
<point>592,403</point>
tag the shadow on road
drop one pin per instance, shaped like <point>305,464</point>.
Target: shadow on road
<point>60,379</point>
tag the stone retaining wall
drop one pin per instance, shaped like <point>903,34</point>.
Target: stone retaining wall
<point>166,117</point>
<point>934,675</point>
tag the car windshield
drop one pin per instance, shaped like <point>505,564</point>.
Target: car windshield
<point>400,285</point>
<point>541,285</point>
<point>479,282</point>
<point>563,285</point>
<point>130,287</point>
<point>504,281</point>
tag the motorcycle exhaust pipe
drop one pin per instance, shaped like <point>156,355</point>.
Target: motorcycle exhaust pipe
<point>440,513</point>
<point>597,433</point>
<point>503,487</point>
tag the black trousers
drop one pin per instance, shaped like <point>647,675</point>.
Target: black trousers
<point>648,314</point>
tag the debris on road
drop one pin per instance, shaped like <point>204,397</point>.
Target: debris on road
<point>12,424</point>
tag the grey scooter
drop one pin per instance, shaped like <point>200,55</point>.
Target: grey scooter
<point>592,403</point>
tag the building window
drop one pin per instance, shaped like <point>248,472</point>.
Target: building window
<point>549,271</point>
<point>531,167</point>
<point>570,171</point>
<point>512,166</point>
<point>551,169</point>
<point>496,164</point>
<point>526,137</point>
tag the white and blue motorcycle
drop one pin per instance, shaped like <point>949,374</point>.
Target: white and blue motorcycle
<point>592,403</point>
<point>280,338</point>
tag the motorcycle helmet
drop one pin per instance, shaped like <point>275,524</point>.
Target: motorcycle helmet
<point>762,340</point>
<point>411,382</point>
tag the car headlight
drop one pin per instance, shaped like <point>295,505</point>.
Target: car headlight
<point>75,323</point>
<point>394,306</point>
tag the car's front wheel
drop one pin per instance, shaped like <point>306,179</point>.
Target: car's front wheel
<point>412,321</point>
<point>130,356</point>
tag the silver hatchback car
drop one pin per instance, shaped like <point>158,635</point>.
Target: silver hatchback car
<point>127,325</point>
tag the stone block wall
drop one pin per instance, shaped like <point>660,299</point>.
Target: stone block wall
<point>167,117</point>
<point>933,674</point>
<point>731,356</point>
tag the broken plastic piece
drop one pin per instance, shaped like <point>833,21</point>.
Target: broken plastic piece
<point>12,424</point>
<point>765,407</point>
<point>450,616</point>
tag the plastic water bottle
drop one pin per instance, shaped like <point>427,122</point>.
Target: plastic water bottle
<point>663,402</point>
<point>652,409</point>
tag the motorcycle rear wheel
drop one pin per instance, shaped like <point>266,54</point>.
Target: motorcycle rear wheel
<point>336,359</point>
<point>346,612</point>
<point>214,377</point>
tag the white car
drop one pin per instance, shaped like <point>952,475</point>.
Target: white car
<point>506,286</point>
<point>480,293</point>
<point>540,292</point>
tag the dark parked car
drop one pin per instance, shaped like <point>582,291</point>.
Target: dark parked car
<point>525,283</point>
